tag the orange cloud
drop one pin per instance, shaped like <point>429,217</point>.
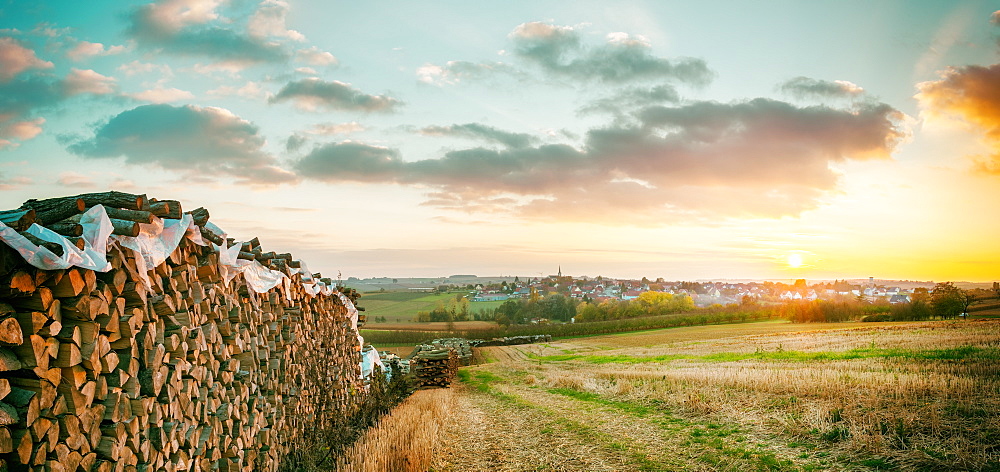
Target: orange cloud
<point>971,94</point>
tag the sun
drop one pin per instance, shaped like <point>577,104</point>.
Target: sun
<point>794,261</point>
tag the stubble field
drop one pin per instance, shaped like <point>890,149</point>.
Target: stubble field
<point>763,396</point>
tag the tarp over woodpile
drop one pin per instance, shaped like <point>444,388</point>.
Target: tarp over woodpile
<point>136,336</point>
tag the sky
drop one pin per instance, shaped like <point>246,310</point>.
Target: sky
<point>683,140</point>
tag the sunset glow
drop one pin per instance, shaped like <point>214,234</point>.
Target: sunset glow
<point>794,261</point>
<point>628,140</point>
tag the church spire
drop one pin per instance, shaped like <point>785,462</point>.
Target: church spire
<point>560,270</point>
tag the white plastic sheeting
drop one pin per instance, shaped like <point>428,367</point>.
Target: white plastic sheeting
<point>370,359</point>
<point>96,229</point>
<point>154,244</point>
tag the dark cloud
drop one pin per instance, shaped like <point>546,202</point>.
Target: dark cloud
<point>188,31</point>
<point>209,142</point>
<point>313,94</point>
<point>805,87</point>
<point>761,158</point>
<point>23,98</point>
<point>632,97</point>
<point>483,132</point>
<point>623,58</point>
<point>349,161</point>
<point>972,94</point>
<point>295,142</point>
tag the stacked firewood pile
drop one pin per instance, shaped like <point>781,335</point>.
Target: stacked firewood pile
<point>173,364</point>
<point>511,340</point>
<point>462,347</point>
<point>433,365</point>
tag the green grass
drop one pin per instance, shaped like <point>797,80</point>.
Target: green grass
<point>959,353</point>
<point>401,307</point>
<point>479,379</point>
<point>713,440</point>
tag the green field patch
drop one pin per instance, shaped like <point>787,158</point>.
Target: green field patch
<point>951,354</point>
<point>628,407</point>
<point>480,379</point>
<point>710,437</point>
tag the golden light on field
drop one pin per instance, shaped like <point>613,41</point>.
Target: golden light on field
<point>795,260</point>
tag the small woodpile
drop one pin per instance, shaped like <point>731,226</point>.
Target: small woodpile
<point>462,347</point>
<point>182,362</point>
<point>433,365</point>
<point>512,340</point>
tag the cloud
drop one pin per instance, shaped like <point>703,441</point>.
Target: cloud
<point>760,158</point>
<point>85,50</point>
<point>22,130</point>
<point>204,141</point>
<point>329,129</point>
<point>312,94</point>
<point>136,67</point>
<point>295,142</point>
<point>805,87</point>
<point>971,94</point>
<point>160,94</point>
<point>315,57</point>
<point>482,132</point>
<point>87,81</point>
<point>75,180</point>
<point>15,58</point>
<point>12,183</point>
<point>250,90</point>
<point>454,72</point>
<point>558,50</point>
<point>194,28</point>
<point>350,161</point>
<point>270,21</point>
<point>995,18</point>
<point>22,98</point>
<point>633,97</point>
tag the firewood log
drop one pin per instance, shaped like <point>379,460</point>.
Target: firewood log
<point>66,227</point>
<point>116,200</point>
<point>20,220</point>
<point>200,216</point>
<point>56,249</point>
<point>71,284</point>
<point>125,227</point>
<point>138,216</point>
<point>52,210</point>
<point>166,209</point>
<point>17,283</point>
<point>10,332</point>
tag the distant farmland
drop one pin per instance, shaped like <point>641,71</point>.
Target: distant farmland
<point>400,307</point>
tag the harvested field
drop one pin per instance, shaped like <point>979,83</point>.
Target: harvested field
<point>761,396</point>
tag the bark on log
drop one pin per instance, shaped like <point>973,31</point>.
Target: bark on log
<point>138,216</point>
<point>211,236</point>
<point>66,228</point>
<point>115,199</point>
<point>19,219</point>
<point>51,210</point>
<point>166,209</point>
<point>200,216</point>
<point>125,227</point>
<point>52,247</point>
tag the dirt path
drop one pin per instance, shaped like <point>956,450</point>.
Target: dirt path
<point>486,432</point>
